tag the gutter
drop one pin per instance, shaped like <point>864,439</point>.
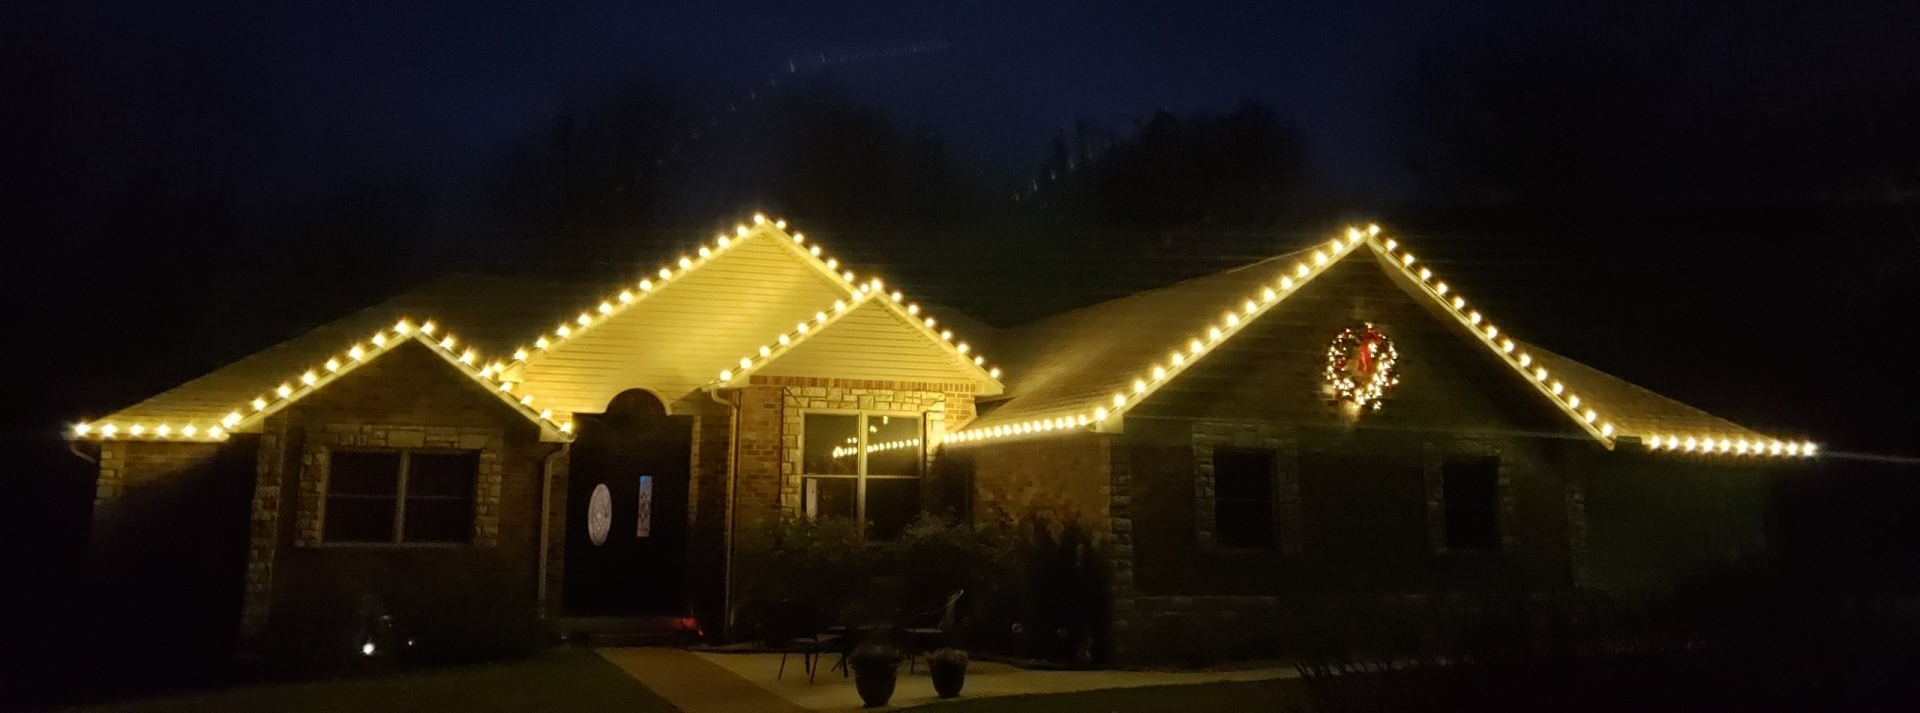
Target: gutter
<point>733,506</point>
<point>546,523</point>
<point>74,448</point>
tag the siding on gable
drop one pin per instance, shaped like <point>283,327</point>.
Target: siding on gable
<point>1272,371</point>
<point>870,343</point>
<point>679,338</point>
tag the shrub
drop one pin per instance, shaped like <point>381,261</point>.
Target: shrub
<point>819,562</point>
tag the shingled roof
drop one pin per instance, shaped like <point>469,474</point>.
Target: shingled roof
<point>490,310</point>
<point>503,324</point>
<point>1080,370</point>
<point>1073,371</point>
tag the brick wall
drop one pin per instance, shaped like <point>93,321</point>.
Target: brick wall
<point>304,595</point>
<point>708,517</point>
<point>773,409</point>
<point>168,550</point>
<point>1060,477</point>
<point>129,467</point>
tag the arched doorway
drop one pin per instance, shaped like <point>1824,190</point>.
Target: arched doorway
<point>627,511</point>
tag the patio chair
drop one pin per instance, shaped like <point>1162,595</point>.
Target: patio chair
<point>794,629</point>
<point>870,617</point>
<point>920,640</point>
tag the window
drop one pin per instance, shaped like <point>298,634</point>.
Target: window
<point>1470,489</point>
<point>399,497</point>
<point>863,466</point>
<point>1243,498</point>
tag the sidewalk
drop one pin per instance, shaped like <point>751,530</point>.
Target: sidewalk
<point>707,682</point>
<point>693,685</point>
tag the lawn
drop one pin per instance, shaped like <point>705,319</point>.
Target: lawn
<point>552,681</point>
<point>1281,695</point>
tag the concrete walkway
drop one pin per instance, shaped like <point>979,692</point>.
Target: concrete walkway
<point>710,682</point>
<point>694,685</point>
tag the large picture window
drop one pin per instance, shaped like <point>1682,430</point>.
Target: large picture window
<point>865,466</point>
<point>399,497</point>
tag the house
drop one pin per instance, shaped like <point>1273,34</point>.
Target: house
<point>1335,424</point>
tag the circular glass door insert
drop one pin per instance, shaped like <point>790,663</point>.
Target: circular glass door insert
<point>599,514</point>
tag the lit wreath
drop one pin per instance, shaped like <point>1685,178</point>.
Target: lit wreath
<point>1360,366</point>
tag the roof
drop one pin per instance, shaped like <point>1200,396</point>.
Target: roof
<point>1084,369</point>
<point>503,330</point>
<point>1079,370</point>
<point>237,397</point>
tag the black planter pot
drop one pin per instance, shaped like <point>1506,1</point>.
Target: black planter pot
<point>948,678</point>
<point>875,682</point>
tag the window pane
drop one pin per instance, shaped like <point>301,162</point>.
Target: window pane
<point>893,445</point>
<point>831,444</point>
<point>358,519</point>
<point>1470,488</point>
<point>892,503</point>
<point>1243,497</point>
<point>442,474</point>
<point>439,519</point>
<point>831,497</point>
<point>363,473</point>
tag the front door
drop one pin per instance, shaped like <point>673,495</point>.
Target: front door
<point>627,511</point>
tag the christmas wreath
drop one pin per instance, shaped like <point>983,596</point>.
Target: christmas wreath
<point>1360,366</point>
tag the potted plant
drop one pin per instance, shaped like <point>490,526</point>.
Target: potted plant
<point>948,667</point>
<point>874,669</point>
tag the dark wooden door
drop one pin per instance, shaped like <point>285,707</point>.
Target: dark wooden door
<point>627,513</point>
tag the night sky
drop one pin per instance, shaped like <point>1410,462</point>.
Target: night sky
<point>271,104</point>
<point>1719,201</point>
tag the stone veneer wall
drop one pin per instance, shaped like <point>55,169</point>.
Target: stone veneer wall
<point>1226,603</point>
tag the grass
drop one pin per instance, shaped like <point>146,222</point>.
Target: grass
<point>556,680</point>
<point>1286,694</point>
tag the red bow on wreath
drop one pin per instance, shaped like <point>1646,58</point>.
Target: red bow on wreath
<point>1363,356</point>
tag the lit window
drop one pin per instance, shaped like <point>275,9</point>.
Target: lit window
<point>399,497</point>
<point>864,466</point>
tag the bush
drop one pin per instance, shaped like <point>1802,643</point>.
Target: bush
<point>936,556</point>
<point>820,562</point>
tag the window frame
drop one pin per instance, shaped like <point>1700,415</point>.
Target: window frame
<point>400,499</point>
<point>1493,507</point>
<point>860,476</point>
<point>1273,541</point>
